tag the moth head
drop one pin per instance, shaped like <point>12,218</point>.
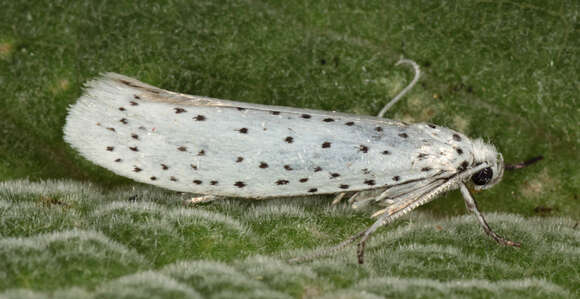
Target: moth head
<point>490,165</point>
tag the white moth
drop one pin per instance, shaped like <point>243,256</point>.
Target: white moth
<point>224,148</point>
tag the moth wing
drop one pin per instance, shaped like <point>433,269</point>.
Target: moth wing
<point>211,146</point>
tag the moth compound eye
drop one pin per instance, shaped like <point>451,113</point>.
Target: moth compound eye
<point>482,177</point>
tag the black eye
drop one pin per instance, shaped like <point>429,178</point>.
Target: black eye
<point>482,177</point>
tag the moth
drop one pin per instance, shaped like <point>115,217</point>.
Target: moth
<point>224,148</point>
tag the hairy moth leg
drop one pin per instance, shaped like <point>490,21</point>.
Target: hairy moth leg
<point>472,207</point>
<point>383,220</point>
<point>200,199</point>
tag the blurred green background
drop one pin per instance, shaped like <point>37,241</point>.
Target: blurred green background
<point>506,71</point>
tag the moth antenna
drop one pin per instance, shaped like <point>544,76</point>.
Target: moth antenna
<point>329,251</point>
<point>404,91</point>
<point>523,164</point>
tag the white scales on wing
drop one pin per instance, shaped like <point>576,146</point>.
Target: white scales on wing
<point>225,148</point>
<point>210,146</point>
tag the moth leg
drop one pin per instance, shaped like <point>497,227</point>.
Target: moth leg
<point>383,220</point>
<point>402,93</point>
<point>353,198</point>
<point>338,198</point>
<point>472,207</point>
<point>364,235</point>
<point>199,200</point>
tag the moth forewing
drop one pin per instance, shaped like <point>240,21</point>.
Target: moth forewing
<point>225,148</point>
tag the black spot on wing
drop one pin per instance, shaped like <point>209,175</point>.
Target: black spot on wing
<point>282,182</point>
<point>289,139</point>
<point>306,116</point>
<point>456,137</point>
<point>134,148</point>
<point>403,135</point>
<point>182,148</point>
<point>370,182</point>
<point>197,182</point>
<point>240,184</point>
<point>200,118</point>
<point>463,166</point>
<point>422,156</point>
<point>326,144</point>
<point>110,148</point>
<point>179,110</point>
